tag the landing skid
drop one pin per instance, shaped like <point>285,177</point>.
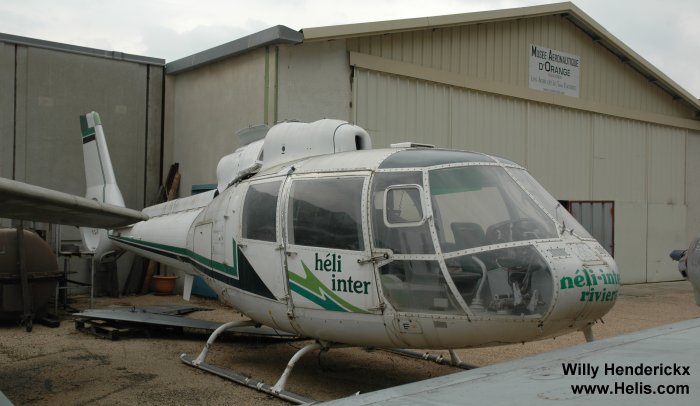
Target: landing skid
<point>278,388</point>
<point>275,390</point>
<point>243,380</point>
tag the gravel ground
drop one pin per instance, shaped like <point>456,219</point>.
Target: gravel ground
<point>64,366</point>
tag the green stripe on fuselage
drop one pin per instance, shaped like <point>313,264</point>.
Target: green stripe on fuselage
<point>209,263</point>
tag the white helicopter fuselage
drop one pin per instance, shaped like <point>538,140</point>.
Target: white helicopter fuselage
<point>400,247</point>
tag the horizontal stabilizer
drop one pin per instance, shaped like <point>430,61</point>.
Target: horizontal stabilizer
<point>22,201</point>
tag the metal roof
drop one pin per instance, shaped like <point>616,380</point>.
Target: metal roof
<point>278,34</point>
<point>100,53</point>
<point>566,10</point>
<point>284,35</point>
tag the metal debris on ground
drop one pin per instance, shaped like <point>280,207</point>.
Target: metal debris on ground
<point>115,322</point>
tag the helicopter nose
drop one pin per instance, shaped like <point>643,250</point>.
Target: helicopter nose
<point>586,282</point>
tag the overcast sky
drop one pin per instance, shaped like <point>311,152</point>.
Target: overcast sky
<point>665,33</point>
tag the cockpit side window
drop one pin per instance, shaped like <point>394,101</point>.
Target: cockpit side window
<point>327,213</point>
<point>259,211</point>
<point>403,206</point>
<point>396,202</point>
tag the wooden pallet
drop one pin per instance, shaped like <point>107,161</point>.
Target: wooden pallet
<point>104,329</point>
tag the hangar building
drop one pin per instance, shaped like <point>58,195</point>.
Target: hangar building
<point>607,133</point>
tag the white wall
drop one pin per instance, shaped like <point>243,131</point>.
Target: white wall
<point>314,82</point>
<point>205,108</point>
<point>692,185</point>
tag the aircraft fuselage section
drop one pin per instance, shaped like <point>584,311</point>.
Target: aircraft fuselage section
<point>399,248</point>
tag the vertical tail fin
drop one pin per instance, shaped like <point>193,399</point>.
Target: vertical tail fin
<point>99,175</point>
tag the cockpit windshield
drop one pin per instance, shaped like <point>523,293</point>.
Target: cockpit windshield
<point>564,219</point>
<point>436,219</point>
<point>475,206</point>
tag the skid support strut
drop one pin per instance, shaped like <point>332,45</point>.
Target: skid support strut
<point>436,358</point>
<point>588,333</point>
<point>279,386</point>
<point>276,390</point>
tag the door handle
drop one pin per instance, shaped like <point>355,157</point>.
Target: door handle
<point>375,258</point>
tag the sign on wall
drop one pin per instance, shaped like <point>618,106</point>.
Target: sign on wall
<point>554,71</point>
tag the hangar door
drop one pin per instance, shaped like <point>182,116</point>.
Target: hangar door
<point>597,218</point>
<point>394,108</point>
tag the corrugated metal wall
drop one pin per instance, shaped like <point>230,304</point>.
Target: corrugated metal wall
<point>667,206</point>
<point>597,218</point>
<point>576,155</point>
<point>394,108</point>
<point>499,52</point>
<point>692,181</point>
<point>559,150</point>
<point>43,92</point>
<point>40,130</point>
<point>619,159</point>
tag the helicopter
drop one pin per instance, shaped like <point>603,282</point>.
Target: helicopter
<point>313,232</point>
<point>689,265</point>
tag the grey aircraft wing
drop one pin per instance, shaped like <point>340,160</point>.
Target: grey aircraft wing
<point>22,201</point>
<point>655,366</point>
